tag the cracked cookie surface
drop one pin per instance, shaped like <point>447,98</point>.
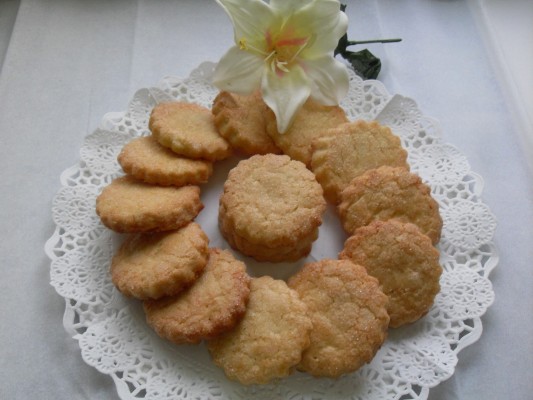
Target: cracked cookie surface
<point>271,202</point>
<point>210,307</point>
<point>388,193</point>
<point>404,262</point>
<point>349,316</point>
<point>269,340</point>
<point>351,149</point>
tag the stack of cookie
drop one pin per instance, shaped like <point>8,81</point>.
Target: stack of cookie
<point>333,315</point>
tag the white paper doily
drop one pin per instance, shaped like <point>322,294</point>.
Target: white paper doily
<point>111,330</point>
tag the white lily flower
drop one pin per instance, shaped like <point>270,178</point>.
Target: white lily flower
<point>286,49</point>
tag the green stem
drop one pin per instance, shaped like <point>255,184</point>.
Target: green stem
<point>355,42</point>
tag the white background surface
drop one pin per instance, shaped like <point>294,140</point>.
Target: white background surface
<point>66,63</point>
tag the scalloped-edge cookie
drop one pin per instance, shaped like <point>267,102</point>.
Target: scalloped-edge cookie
<point>189,130</point>
<point>213,305</point>
<point>153,265</point>
<point>404,262</point>
<point>313,120</point>
<point>390,193</point>
<point>349,316</point>
<point>273,203</point>
<point>351,149</point>
<point>241,121</point>
<point>127,205</point>
<point>269,340</point>
<point>145,159</point>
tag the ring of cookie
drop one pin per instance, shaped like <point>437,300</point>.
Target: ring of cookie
<point>270,209</point>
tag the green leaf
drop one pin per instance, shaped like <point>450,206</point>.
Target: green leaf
<point>364,63</point>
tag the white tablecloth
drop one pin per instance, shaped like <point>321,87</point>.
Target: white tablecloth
<point>65,63</point>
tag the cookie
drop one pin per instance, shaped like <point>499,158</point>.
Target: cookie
<point>210,307</point>
<point>279,253</point>
<point>128,205</point>
<point>405,263</point>
<point>352,149</point>
<point>188,130</point>
<point>386,193</point>
<point>241,121</point>
<point>269,340</point>
<point>145,159</point>
<point>349,316</point>
<point>311,121</point>
<point>271,208</point>
<point>153,265</point>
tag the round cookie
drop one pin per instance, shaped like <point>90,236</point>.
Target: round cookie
<point>188,130</point>
<point>145,159</point>
<point>311,121</point>
<point>352,149</point>
<point>128,205</point>
<point>269,340</point>
<point>153,265</point>
<point>210,307</point>
<point>405,263</point>
<point>390,193</point>
<point>273,203</point>
<point>241,121</point>
<point>349,316</point>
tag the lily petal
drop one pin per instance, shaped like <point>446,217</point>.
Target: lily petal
<point>286,7</point>
<point>330,80</point>
<point>285,94</point>
<point>250,18</point>
<point>238,71</point>
<point>327,23</point>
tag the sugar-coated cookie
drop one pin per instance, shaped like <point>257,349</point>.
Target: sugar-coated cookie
<point>241,121</point>
<point>210,307</point>
<point>153,265</point>
<point>390,193</point>
<point>269,340</point>
<point>405,263</point>
<point>351,149</point>
<point>273,203</point>
<point>349,316</point>
<point>311,121</point>
<point>145,159</point>
<point>129,205</point>
<point>189,130</point>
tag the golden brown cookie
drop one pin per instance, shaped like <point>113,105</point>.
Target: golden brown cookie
<point>210,307</point>
<point>145,159</point>
<point>188,130</point>
<point>405,263</point>
<point>129,205</point>
<point>153,265</point>
<point>273,203</point>
<point>349,315</point>
<point>390,193</point>
<point>352,149</point>
<point>269,340</point>
<point>241,121</point>
<point>311,121</point>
